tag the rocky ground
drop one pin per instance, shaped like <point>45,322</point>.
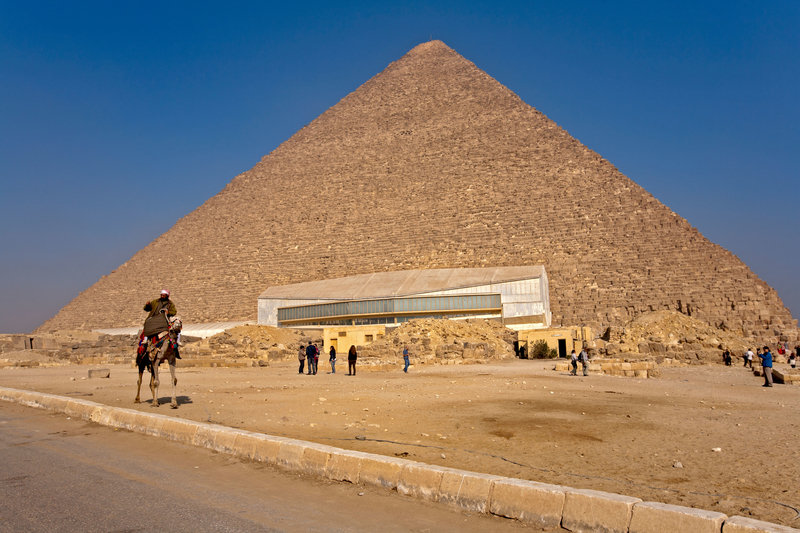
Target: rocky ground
<point>651,438</point>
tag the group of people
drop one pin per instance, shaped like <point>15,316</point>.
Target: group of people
<point>766,360</point>
<point>310,353</point>
<point>583,357</point>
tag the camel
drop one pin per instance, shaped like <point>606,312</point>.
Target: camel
<point>157,349</point>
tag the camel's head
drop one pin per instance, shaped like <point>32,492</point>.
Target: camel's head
<point>176,325</point>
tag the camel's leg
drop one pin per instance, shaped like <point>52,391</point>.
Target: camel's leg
<point>174,380</point>
<point>138,387</point>
<point>154,384</point>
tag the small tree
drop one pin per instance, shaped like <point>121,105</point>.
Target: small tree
<point>541,350</point>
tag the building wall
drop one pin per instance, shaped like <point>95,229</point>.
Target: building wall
<point>574,337</point>
<point>353,335</point>
<point>526,297</point>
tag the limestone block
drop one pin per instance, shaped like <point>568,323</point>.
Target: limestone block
<point>225,440</point>
<point>421,481</point>
<point>178,430</point>
<point>204,435</point>
<point>538,504</point>
<point>266,449</point>
<point>644,347</point>
<point>315,459</point>
<point>740,524</point>
<point>653,517</point>
<point>345,465</point>
<point>589,511</point>
<point>467,490</point>
<point>291,453</point>
<point>640,374</point>
<point>381,471</point>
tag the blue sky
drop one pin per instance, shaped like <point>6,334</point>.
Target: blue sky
<point>118,119</point>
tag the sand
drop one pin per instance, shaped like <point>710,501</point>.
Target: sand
<point>515,418</point>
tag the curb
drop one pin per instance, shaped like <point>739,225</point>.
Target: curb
<point>539,504</point>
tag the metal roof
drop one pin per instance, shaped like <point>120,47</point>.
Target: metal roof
<point>400,283</point>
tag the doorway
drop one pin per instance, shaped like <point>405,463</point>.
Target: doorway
<point>562,347</point>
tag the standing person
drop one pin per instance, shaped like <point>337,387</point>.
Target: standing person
<point>301,356</point>
<point>405,360</point>
<point>793,360</point>
<point>750,357</point>
<point>585,361</point>
<point>766,364</point>
<point>333,359</point>
<point>310,356</point>
<point>316,359</point>
<point>352,356</point>
<point>574,363</point>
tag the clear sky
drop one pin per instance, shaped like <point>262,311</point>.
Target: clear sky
<point>116,119</point>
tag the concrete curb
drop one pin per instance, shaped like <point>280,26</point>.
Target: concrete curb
<point>545,506</point>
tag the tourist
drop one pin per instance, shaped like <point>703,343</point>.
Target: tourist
<point>316,359</point>
<point>585,361</point>
<point>310,351</point>
<point>405,360</point>
<point>301,356</point>
<point>793,360</point>
<point>750,357</point>
<point>574,363</point>
<point>352,355</point>
<point>333,359</point>
<point>726,357</point>
<point>766,365</point>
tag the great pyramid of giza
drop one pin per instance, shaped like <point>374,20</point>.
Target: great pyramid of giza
<point>434,164</point>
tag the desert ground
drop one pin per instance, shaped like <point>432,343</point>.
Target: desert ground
<point>650,438</point>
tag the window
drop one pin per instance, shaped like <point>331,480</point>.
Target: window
<point>367,338</point>
<point>343,334</point>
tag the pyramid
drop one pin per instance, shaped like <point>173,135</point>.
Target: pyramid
<point>434,164</point>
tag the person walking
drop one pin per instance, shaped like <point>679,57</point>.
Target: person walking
<point>574,363</point>
<point>301,356</point>
<point>766,364</point>
<point>352,356</point>
<point>333,359</point>
<point>405,360</point>
<point>584,357</point>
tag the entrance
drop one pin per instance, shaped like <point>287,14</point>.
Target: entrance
<point>335,344</point>
<point>562,347</point>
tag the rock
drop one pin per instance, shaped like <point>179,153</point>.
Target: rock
<point>677,465</point>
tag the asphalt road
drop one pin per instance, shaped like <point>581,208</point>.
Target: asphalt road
<point>65,475</point>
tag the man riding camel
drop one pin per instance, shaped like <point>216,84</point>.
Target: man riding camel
<point>163,302</point>
<point>161,307</point>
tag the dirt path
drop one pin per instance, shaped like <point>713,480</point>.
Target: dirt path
<point>518,418</point>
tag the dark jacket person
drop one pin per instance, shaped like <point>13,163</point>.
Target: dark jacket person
<point>352,355</point>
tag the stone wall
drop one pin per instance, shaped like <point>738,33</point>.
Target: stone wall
<point>431,164</point>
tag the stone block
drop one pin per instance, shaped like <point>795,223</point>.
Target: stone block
<point>204,435</point>
<point>52,402</point>
<point>467,490</point>
<point>381,471</point>
<point>225,440</point>
<point>345,465</point>
<point>100,373</point>
<point>316,458</point>
<point>290,455</point>
<point>538,504</point>
<point>589,511</point>
<point>653,517</point>
<point>267,448</point>
<point>740,524</point>
<point>421,481</point>
<point>178,430</point>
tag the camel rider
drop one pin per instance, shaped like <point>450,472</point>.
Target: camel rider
<point>163,302</point>
<point>161,305</point>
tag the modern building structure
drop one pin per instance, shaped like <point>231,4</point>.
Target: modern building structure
<point>519,296</point>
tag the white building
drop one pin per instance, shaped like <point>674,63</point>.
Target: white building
<point>519,296</point>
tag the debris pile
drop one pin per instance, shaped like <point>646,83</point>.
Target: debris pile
<point>669,334</point>
<point>442,341</point>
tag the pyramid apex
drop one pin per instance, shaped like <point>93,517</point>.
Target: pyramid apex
<point>431,47</point>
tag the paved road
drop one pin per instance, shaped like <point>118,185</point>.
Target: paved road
<point>64,475</point>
